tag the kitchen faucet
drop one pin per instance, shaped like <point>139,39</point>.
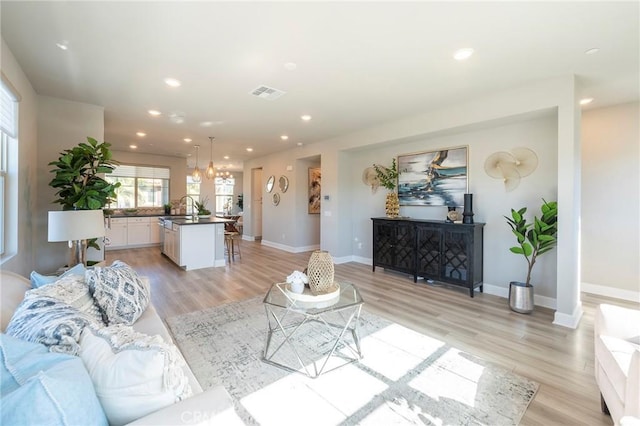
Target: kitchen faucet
<point>194,211</point>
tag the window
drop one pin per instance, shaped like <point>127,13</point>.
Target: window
<point>193,191</point>
<point>224,194</point>
<point>140,186</point>
<point>8,146</point>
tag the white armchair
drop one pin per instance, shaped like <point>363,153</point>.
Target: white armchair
<point>617,362</point>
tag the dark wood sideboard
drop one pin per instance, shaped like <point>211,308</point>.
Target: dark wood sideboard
<point>435,250</point>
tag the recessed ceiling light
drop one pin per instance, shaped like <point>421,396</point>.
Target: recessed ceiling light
<point>63,45</point>
<point>154,112</point>
<point>133,146</point>
<point>591,51</point>
<point>299,144</point>
<point>586,101</point>
<point>226,157</point>
<point>211,123</point>
<point>462,54</point>
<point>141,134</point>
<point>306,117</point>
<point>249,149</point>
<point>187,140</point>
<point>172,82</point>
<point>290,66</point>
<point>284,137</point>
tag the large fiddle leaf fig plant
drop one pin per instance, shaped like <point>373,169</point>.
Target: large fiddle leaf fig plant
<point>78,176</point>
<point>537,237</point>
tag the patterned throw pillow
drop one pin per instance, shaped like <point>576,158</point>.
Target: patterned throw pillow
<point>47,320</point>
<point>119,292</point>
<point>133,374</point>
<point>72,290</point>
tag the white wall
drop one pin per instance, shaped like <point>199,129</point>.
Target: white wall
<point>490,200</point>
<point>22,260</point>
<point>62,125</point>
<point>611,201</point>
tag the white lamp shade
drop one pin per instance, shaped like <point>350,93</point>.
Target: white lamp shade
<point>70,225</point>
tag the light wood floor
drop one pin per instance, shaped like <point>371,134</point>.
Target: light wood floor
<point>560,359</point>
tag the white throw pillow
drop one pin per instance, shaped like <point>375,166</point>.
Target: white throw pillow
<point>72,290</point>
<point>133,374</point>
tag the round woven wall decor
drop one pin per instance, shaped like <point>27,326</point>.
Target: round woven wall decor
<point>320,272</point>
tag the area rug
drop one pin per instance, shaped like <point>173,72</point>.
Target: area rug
<point>404,377</point>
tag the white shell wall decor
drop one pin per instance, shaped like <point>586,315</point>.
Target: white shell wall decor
<point>511,166</point>
<point>370,178</point>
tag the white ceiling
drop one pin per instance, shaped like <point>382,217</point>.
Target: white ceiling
<point>358,63</point>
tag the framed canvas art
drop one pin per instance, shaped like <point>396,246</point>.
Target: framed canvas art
<point>433,178</point>
<point>314,190</point>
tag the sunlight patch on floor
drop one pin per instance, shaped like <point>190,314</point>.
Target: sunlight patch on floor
<point>330,398</point>
<point>410,341</point>
<point>405,347</point>
<point>348,389</point>
<point>287,401</point>
<point>439,381</point>
<point>399,412</point>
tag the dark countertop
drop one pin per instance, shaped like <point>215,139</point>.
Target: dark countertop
<point>201,221</point>
<point>119,216</point>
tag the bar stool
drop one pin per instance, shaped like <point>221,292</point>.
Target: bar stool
<point>230,246</point>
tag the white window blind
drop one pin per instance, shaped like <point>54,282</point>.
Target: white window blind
<point>142,172</point>
<point>8,112</point>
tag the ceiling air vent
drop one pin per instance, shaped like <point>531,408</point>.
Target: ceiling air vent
<point>266,92</point>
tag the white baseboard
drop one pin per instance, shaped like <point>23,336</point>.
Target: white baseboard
<point>219,263</point>
<point>248,237</point>
<point>569,320</point>
<point>617,293</point>
<point>363,260</point>
<point>290,249</point>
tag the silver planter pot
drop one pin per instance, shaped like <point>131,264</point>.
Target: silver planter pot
<point>520,297</point>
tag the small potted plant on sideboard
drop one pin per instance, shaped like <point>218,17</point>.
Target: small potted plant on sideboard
<point>534,239</point>
<point>388,177</point>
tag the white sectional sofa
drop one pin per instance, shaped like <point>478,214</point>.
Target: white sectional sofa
<point>617,362</point>
<point>213,406</point>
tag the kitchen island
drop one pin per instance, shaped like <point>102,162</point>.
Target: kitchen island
<point>195,244</point>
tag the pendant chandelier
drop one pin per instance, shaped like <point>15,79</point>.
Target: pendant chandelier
<point>196,175</point>
<point>224,175</point>
<point>211,172</point>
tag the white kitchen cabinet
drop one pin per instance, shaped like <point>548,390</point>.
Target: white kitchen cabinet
<point>176,244</point>
<point>117,233</point>
<point>138,231</point>
<point>167,248</point>
<point>154,231</point>
<point>172,243</point>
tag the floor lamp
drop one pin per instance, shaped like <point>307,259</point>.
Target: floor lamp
<point>76,226</point>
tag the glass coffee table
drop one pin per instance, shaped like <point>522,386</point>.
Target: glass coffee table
<point>312,334</point>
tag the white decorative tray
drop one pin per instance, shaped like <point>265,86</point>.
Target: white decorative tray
<point>307,296</point>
